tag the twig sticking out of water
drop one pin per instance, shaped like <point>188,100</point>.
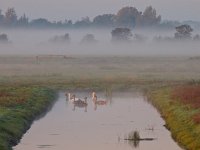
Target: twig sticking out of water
<point>135,136</point>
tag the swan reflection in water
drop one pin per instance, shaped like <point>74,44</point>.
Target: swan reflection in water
<point>82,103</point>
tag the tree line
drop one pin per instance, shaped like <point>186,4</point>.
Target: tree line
<point>129,17</point>
<point>123,34</point>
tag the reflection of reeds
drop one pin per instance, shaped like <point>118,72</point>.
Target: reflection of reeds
<point>133,139</point>
<point>134,135</point>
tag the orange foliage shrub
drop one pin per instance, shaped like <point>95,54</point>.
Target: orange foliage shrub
<point>188,95</point>
<point>196,118</point>
<point>11,97</point>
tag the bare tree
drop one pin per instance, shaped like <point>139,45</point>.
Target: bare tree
<point>10,16</point>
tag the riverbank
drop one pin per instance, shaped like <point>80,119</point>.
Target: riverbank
<point>19,107</point>
<point>180,109</point>
<point>97,73</point>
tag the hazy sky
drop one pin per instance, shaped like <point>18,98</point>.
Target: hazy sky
<point>76,9</point>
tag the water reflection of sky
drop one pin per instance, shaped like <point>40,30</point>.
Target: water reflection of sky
<point>102,128</point>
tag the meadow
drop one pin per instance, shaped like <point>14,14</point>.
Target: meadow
<point>52,69</point>
<point>19,106</point>
<point>179,106</point>
<point>29,85</point>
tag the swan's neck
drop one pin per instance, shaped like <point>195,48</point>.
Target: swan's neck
<point>93,95</point>
<point>69,96</point>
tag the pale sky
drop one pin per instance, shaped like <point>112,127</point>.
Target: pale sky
<point>76,9</point>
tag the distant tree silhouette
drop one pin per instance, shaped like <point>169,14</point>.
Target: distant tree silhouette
<point>68,23</point>
<point>196,37</point>
<point>61,39</point>
<point>84,22</point>
<point>121,35</point>
<point>183,32</point>
<point>128,17</point>
<point>139,38</point>
<point>23,21</point>
<point>41,22</point>
<point>105,20</point>
<point>1,17</point>
<point>88,39</point>
<point>10,17</point>
<point>149,17</point>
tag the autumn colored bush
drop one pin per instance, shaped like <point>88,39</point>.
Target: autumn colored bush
<point>196,118</point>
<point>188,95</point>
<point>14,96</point>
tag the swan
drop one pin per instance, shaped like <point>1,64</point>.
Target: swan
<point>72,97</point>
<point>96,101</point>
<point>81,103</point>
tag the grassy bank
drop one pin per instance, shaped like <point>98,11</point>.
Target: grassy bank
<point>19,106</point>
<point>178,107</point>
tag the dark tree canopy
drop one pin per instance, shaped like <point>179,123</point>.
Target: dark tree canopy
<point>104,20</point>
<point>23,20</point>
<point>10,16</point>
<point>183,32</point>
<point>121,34</point>
<point>61,39</point>
<point>84,22</point>
<point>1,17</point>
<point>88,39</point>
<point>41,22</point>
<point>149,17</point>
<point>128,17</point>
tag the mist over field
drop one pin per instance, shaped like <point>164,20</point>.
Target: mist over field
<point>36,42</point>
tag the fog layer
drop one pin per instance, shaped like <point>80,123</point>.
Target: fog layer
<point>37,42</point>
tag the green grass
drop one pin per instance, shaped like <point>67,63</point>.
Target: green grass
<point>28,98</point>
<point>15,119</point>
<point>178,118</point>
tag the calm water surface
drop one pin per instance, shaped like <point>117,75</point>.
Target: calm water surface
<point>99,127</point>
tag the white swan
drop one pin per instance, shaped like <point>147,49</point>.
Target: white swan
<point>98,102</point>
<point>72,98</point>
<point>81,103</point>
